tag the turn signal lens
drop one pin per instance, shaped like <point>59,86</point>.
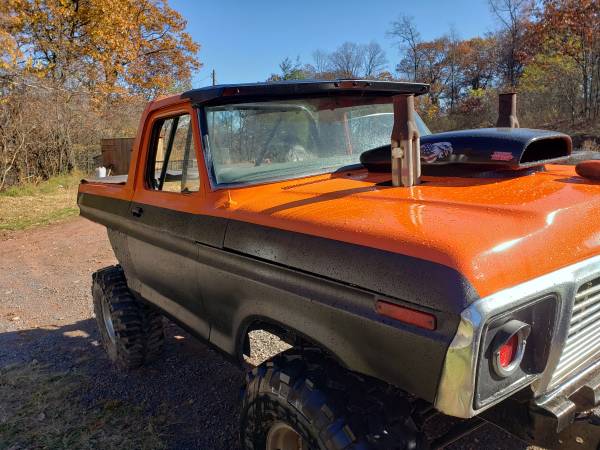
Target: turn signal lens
<point>406,315</point>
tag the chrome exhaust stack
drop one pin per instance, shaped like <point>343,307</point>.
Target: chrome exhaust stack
<point>507,111</point>
<point>405,140</point>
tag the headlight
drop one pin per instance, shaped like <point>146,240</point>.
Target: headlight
<point>514,349</point>
<point>481,368</point>
<point>508,347</point>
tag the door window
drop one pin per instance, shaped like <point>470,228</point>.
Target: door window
<point>173,166</point>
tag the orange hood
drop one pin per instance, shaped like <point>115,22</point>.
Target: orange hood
<point>496,232</point>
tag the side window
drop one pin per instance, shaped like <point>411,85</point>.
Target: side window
<point>172,164</point>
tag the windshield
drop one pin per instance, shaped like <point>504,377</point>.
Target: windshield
<point>266,141</point>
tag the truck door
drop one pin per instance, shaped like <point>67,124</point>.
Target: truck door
<point>165,229</point>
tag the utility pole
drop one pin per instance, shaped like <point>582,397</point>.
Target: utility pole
<point>213,75</point>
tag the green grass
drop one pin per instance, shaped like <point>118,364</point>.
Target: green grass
<point>41,409</point>
<point>50,186</point>
<point>33,204</point>
<point>53,216</point>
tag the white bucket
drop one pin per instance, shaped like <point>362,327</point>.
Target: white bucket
<point>100,172</point>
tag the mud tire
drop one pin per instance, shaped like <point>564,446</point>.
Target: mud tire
<point>328,406</point>
<point>137,336</point>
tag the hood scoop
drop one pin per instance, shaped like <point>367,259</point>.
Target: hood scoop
<point>506,148</point>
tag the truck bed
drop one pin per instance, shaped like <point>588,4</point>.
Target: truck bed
<point>113,179</point>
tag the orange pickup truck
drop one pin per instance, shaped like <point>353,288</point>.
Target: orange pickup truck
<point>412,273</point>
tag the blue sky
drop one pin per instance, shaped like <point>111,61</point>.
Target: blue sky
<point>244,41</point>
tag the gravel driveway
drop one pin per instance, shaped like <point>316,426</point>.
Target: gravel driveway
<point>46,315</point>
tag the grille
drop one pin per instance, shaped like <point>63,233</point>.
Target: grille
<point>583,342</point>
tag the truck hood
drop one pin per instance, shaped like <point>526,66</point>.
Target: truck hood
<point>497,232</point>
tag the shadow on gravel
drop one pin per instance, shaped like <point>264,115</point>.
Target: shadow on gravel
<point>189,397</point>
<point>192,388</point>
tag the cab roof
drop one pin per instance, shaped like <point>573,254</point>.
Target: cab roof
<point>301,88</point>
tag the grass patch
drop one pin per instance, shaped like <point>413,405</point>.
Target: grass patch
<point>40,409</point>
<point>51,186</point>
<point>30,204</point>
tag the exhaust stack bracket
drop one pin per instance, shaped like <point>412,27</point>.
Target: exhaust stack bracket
<point>405,142</point>
<point>507,110</point>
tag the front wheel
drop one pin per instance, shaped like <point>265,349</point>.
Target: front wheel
<point>302,400</point>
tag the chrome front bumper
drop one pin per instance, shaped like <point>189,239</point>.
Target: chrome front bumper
<point>457,387</point>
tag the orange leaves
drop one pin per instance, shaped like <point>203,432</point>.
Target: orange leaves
<point>566,38</point>
<point>109,47</point>
<point>571,26</point>
<point>9,49</point>
<point>477,59</point>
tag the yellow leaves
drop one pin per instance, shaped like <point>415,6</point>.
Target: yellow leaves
<point>9,49</point>
<point>476,93</point>
<point>545,69</point>
<point>110,47</point>
<point>9,52</point>
<point>427,109</point>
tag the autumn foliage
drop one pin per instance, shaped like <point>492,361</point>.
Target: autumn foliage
<point>565,35</point>
<point>73,71</point>
<point>105,46</point>
<point>548,51</point>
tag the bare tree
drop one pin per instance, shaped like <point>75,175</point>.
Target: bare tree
<point>512,15</point>
<point>408,38</point>
<point>46,130</point>
<point>374,60</point>
<point>322,61</point>
<point>348,59</point>
<point>453,81</point>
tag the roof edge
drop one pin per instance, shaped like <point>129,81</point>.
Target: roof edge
<point>295,88</point>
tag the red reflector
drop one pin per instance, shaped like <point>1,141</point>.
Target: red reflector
<point>406,315</point>
<point>508,351</point>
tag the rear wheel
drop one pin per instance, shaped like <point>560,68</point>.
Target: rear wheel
<point>302,400</point>
<point>131,331</point>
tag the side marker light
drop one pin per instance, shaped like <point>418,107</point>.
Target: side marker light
<point>406,315</point>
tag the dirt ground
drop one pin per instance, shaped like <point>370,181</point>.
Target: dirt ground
<point>46,318</point>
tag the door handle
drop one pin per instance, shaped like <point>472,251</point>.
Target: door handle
<point>137,211</point>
